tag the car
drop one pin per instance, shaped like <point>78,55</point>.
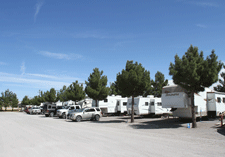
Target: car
<point>27,110</point>
<point>89,113</point>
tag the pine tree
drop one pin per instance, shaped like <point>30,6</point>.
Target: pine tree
<point>158,84</point>
<point>75,92</point>
<point>96,86</point>
<point>193,73</point>
<point>133,81</point>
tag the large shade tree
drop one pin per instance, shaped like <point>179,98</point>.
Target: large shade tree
<point>133,81</point>
<point>96,86</point>
<point>25,101</point>
<point>158,84</point>
<point>194,73</point>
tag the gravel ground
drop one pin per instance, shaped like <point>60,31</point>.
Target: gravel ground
<point>26,135</point>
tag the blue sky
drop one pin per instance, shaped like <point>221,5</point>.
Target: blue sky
<point>52,43</point>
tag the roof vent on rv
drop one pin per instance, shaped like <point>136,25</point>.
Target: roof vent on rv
<point>150,96</point>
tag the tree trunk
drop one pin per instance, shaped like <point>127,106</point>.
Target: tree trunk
<point>96,103</point>
<point>132,110</point>
<point>194,124</point>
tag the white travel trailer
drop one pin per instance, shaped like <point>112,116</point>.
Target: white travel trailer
<point>149,105</point>
<point>215,103</point>
<point>87,102</point>
<point>176,97</point>
<point>68,103</point>
<point>108,106</point>
<point>121,105</point>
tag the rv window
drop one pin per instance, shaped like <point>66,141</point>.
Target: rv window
<point>72,107</point>
<point>53,106</point>
<point>146,103</point>
<point>152,103</point>
<point>118,103</point>
<point>77,107</point>
<point>49,107</point>
<point>219,100</point>
<point>159,103</point>
<point>223,100</point>
<point>124,103</point>
<point>106,100</point>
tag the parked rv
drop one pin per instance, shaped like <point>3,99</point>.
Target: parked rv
<point>149,105</point>
<point>121,106</point>
<point>49,110</point>
<point>176,97</point>
<point>107,106</point>
<point>215,103</point>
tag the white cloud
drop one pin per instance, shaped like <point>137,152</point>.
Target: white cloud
<point>205,4</point>
<point>201,25</point>
<point>32,82</point>
<point>37,9</point>
<point>60,55</point>
<point>22,68</point>
<point>3,63</point>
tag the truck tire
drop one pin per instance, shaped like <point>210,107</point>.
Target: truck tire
<point>51,114</point>
<point>46,115</point>
<point>78,118</point>
<point>97,117</point>
<point>64,115</point>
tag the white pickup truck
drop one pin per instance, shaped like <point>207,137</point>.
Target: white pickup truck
<point>62,113</point>
<point>35,110</point>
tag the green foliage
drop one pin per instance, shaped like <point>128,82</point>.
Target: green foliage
<point>96,85</point>
<point>41,97</point>
<point>134,80</point>
<point>194,73</point>
<point>9,98</point>
<point>75,92</point>
<point>113,89</point>
<point>62,95</point>
<point>50,96</point>
<point>221,86</point>
<point>35,100</point>
<point>25,101</point>
<point>158,84</point>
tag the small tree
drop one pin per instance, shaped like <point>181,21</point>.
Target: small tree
<point>75,92</point>
<point>193,73</point>
<point>158,84</point>
<point>96,86</point>
<point>14,101</point>
<point>25,100</point>
<point>133,81</point>
<point>50,96</point>
<point>221,86</point>
<point>62,95</point>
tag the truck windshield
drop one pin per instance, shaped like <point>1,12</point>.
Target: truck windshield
<point>80,110</point>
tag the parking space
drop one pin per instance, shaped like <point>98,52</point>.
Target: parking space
<point>37,135</point>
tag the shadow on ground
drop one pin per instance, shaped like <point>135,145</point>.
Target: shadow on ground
<point>159,124</point>
<point>221,131</point>
<point>110,121</point>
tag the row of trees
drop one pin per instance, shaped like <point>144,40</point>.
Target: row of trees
<point>8,98</point>
<point>191,72</point>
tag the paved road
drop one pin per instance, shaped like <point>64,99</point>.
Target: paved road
<point>25,135</point>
